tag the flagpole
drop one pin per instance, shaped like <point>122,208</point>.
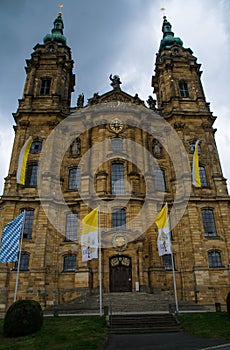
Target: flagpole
<point>174,283</point>
<point>173,267</point>
<point>100,262</point>
<point>19,258</point>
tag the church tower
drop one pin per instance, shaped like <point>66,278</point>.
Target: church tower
<point>201,237</point>
<point>132,175</point>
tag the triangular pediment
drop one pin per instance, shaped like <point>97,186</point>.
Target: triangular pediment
<point>115,95</point>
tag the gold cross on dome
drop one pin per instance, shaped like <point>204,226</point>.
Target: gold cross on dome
<point>60,7</point>
<point>163,9</point>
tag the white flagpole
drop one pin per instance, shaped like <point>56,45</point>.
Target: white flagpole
<point>19,258</point>
<point>100,261</point>
<point>173,267</point>
<point>174,283</point>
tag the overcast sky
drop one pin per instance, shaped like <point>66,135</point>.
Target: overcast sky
<point>119,37</point>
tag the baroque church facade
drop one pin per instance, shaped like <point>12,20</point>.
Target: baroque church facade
<point>128,157</point>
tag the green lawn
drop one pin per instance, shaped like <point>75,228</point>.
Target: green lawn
<point>61,333</point>
<point>207,324</point>
<point>90,333</point>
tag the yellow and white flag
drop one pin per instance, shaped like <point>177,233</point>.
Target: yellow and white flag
<point>23,156</point>
<point>195,167</point>
<point>89,236</point>
<point>163,240</point>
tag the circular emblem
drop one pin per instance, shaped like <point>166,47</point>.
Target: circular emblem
<point>119,241</point>
<point>116,125</point>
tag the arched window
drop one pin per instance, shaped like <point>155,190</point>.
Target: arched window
<point>24,262</point>
<point>28,224</point>
<point>159,180</point>
<point>31,175</point>
<point>71,230</point>
<point>214,259</point>
<point>74,179</point>
<point>209,223</point>
<point>183,88</point>
<point>118,186</point>
<point>69,263</point>
<point>119,218</point>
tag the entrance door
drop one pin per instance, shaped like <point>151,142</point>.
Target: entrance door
<point>120,274</point>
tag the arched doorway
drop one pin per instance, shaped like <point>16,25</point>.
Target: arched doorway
<point>120,267</point>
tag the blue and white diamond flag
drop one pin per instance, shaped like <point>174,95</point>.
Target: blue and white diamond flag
<point>10,240</point>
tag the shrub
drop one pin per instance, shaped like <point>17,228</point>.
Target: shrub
<point>23,317</point>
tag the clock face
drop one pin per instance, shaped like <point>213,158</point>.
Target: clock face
<point>116,125</point>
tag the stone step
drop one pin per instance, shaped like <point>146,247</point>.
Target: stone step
<point>133,324</point>
<point>124,303</point>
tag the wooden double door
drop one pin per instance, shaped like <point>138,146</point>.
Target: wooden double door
<point>120,273</point>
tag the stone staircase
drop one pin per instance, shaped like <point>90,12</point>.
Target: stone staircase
<point>124,303</point>
<point>143,323</point>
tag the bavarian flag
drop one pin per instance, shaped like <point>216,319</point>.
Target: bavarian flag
<point>89,236</point>
<point>195,167</point>
<point>163,240</point>
<point>21,172</point>
<point>10,239</point>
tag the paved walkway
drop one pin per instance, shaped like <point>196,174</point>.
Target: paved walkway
<point>163,341</point>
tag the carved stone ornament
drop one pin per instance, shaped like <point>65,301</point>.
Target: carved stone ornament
<point>119,241</point>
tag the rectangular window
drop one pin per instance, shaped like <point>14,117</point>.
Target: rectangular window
<point>119,218</point>
<point>118,186</point>
<point>24,262</point>
<point>71,227</point>
<point>167,261</point>
<point>31,175</point>
<point>203,179</point>
<point>74,179</point>
<point>183,88</point>
<point>209,223</point>
<point>28,224</point>
<point>69,263</point>
<point>45,87</point>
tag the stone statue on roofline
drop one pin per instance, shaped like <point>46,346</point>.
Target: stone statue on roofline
<point>116,82</point>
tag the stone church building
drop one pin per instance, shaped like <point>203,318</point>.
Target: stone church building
<point>127,157</point>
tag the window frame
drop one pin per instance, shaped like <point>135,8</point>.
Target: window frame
<point>24,262</point>
<point>31,178</point>
<point>183,88</point>
<point>209,224</point>
<point>69,266</point>
<point>28,223</point>
<point>71,227</point>
<point>45,87</point>
<point>117,178</point>
<point>203,177</point>
<point>119,218</point>
<point>74,181</point>
<point>214,259</point>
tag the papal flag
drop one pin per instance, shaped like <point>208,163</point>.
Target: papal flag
<point>195,167</point>
<point>163,240</point>
<point>21,172</point>
<point>89,236</point>
<point>10,239</point>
